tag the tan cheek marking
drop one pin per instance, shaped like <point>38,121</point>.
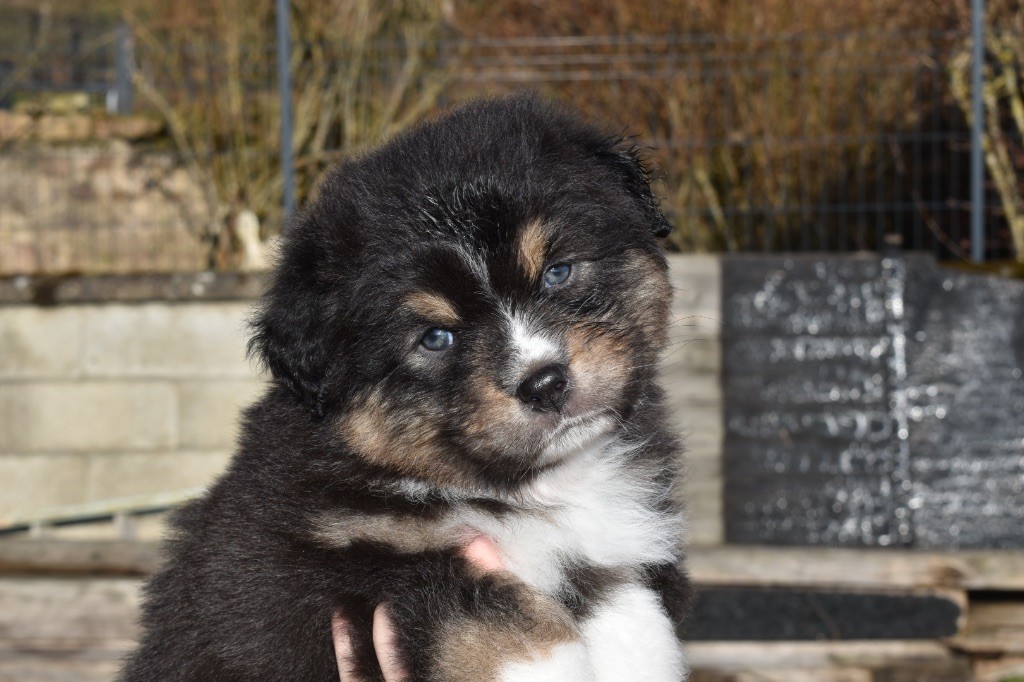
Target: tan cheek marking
<point>599,361</point>
<point>402,441</point>
<point>652,295</point>
<point>532,247</point>
<point>432,307</point>
<point>495,416</point>
<point>405,534</point>
<point>478,649</point>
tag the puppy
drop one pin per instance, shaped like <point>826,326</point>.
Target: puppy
<point>463,333</point>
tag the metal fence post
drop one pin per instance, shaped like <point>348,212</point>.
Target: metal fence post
<point>284,86</point>
<point>977,115</point>
<point>124,69</point>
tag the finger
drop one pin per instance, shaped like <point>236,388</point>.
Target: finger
<point>384,644</point>
<point>484,554</point>
<point>342,647</point>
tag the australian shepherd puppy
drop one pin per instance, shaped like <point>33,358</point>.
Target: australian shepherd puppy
<point>463,332</point>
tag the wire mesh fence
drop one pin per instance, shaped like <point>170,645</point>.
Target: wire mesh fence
<point>826,142</point>
<point>778,143</point>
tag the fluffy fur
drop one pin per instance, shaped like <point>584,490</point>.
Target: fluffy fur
<point>371,458</point>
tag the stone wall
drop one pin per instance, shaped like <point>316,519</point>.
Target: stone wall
<point>98,206</point>
<point>107,400</point>
<point>101,401</point>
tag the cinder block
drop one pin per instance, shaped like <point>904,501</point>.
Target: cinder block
<point>705,523</point>
<point>85,417</point>
<point>210,411</point>
<point>39,342</point>
<point>698,468</point>
<point>144,473</point>
<point>700,425</point>
<point>151,527</point>
<point>34,482</point>
<point>697,281</point>
<point>702,497</point>
<point>686,389</point>
<point>161,340</point>
<point>95,530</point>
<point>147,527</point>
<point>693,353</point>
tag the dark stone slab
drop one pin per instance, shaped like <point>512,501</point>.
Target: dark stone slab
<point>178,287</point>
<point>823,457</point>
<point>839,511</point>
<point>750,419</point>
<point>730,614</point>
<point>807,370</point>
<point>804,295</point>
<point>965,404</point>
<point>875,402</point>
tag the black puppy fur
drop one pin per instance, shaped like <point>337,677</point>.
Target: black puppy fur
<point>366,442</point>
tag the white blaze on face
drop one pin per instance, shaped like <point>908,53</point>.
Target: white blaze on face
<point>533,349</point>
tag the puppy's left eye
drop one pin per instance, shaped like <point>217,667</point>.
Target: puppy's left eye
<point>557,274</point>
<point>437,339</point>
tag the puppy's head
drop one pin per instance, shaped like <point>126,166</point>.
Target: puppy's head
<point>478,299</point>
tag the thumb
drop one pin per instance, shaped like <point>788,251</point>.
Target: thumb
<point>483,553</point>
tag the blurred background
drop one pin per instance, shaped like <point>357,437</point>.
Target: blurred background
<point>846,183</point>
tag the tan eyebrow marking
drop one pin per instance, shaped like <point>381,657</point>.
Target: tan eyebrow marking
<point>533,242</point>
<point>433,307</point>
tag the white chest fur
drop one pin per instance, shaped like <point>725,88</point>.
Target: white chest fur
<point>595,509</point>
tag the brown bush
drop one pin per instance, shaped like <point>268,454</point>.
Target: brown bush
<point>754,108</point>
<point>769,119</point>
<point>210,70</point>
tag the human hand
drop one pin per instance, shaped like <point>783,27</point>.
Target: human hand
<point>481,552</point>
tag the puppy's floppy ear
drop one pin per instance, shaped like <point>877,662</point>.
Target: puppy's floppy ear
<point>288,327</point>
<point>627,159</point>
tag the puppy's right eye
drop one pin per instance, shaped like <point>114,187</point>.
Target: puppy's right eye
<point>437,339</point>
<point>557,274</point>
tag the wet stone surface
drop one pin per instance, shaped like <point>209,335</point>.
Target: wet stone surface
<point>872,402</point>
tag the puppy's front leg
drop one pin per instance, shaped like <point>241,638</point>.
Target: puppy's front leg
<point>519,636</point>
<point>630,637</point>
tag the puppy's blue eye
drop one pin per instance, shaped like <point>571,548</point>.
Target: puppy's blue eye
<point>557,274</point>
<point>437,339</point>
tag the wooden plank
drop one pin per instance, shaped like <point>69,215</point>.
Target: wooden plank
<point>998,669</point>
<point>708,565</point>
<point>70,614</point>
<point>869,568</point>
<point>98,557</point>
<point>782,675</point>
<point>993,628</point>
<point>804,655</point>
<point>49,666</point>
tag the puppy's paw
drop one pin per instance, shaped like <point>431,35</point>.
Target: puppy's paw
<point>567,662</point>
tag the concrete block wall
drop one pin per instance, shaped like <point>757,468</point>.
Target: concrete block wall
<point>106,400</point>
<point>691,369</point>
<point>102,401</point>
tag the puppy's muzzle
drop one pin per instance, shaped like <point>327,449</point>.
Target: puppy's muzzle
<point>546,389</point>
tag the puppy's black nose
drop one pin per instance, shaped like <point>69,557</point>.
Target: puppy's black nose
<point>545,390</point>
